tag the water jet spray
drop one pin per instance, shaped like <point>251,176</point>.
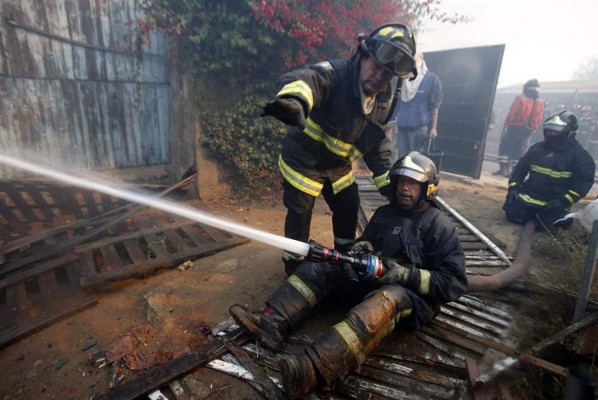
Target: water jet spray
<point>368,266</point>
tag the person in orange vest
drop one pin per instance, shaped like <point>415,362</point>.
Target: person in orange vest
<point>522,120</point>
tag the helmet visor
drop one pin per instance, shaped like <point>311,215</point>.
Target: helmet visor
<point>418,176</point>
<point>393,58</point>
<point>555,123</point>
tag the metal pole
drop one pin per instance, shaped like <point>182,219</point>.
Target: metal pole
<point>588,275</point>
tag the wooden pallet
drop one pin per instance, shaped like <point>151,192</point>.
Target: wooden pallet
<point>30,206</point>
<point>34,300</point>
<point>149,241</point>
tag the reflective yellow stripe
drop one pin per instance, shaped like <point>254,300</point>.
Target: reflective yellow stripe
<point>513,184</point>
<point>381,180</point>
<point>405,313</point>
<point>299,88</point>
<point>335,145</point>
<point>303,289</point>
<point>343,183</point>
<point>531,200</point>
<point>343,240</point>
<point>354,154</point>
<point>574,193</point>
<point>350,337</point>
<point>424,281</point>
<point>570,199</point>
<point>550,172</point>
<point>299,181</point>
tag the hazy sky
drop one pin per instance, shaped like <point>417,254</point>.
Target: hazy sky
<point>545,39</point>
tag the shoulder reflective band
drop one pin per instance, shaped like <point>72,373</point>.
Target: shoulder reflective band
<point>298,88</point>
<point>355,154</point>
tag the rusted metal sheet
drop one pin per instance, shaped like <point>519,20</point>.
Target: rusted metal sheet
<point>71,87</point>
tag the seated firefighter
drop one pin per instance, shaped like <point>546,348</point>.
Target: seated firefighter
<point>559,172</point>
<point>425,267</point>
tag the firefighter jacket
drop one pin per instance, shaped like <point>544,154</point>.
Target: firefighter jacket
<point>525,112</point>
<point>565,173</point>
<point>427,242</point>
<point>337,132</point>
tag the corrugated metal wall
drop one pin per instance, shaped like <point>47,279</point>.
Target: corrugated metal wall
<point>71,89</point>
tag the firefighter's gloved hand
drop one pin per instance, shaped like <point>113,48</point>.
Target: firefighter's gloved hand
<point>362,248</point>
<point>512,194</point>
<point>350,272</point>
<point>395,273</point>
<point>287,110</point>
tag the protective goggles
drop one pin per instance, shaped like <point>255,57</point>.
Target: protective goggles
<point>392,57</point>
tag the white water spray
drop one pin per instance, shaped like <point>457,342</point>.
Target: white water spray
<point>183,210</point>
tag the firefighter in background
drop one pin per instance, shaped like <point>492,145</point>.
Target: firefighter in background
<point>522,120</point>
<point>337,111</point>
<point>425,267</point>
<point>559,172</point>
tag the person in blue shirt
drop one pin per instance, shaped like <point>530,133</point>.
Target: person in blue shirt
<point>417,110</point>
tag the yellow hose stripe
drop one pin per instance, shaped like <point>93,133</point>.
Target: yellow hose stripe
<point>299,88</point>
<point>303,289</point>
<point>424,281</point>
<point>299,181</point>
<point>350,337</point>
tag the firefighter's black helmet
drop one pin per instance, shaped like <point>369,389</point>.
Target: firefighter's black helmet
<point>564,122</point>
<point>419,167</point>
<point>393,46</point>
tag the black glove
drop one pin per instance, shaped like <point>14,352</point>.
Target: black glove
<point>350,272</point>
<point>287,110</point>
<point>512,194</point>
<point>395,273</point>
<point>362,248</point>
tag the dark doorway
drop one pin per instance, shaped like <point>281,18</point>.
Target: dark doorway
<point>469,77</point>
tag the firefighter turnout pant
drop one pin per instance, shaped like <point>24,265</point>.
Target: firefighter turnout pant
<point>520,212</point>
<point>344,347</point>
<point>344,206</point>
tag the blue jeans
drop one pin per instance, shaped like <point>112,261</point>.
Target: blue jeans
<point>412,140</point>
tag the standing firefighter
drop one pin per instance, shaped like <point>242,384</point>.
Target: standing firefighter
<point>560,172</point>
<point>337,110</point>
<point>522,120</point>
<point>425,268</point>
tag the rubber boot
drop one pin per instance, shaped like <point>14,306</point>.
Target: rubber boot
<point>298,375</point>
<point>269,328</point>
<point>342,349</point>
<point>502,169</point>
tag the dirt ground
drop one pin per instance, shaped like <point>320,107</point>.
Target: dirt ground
<point>171,311</point>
